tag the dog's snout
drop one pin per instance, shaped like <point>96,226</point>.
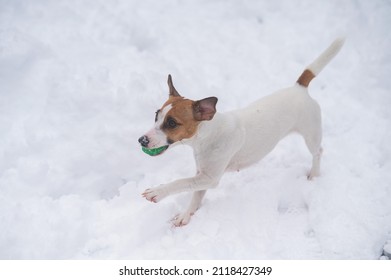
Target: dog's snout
<point>144,141</point>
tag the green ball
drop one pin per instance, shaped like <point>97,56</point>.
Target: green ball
<point>154,151</point>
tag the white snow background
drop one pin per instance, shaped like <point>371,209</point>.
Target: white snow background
<point>80,82</point>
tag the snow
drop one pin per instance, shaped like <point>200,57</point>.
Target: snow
<point>80,82</point>
<point>387,250</point>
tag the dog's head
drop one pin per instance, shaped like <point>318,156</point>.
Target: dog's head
<point>176,120</point>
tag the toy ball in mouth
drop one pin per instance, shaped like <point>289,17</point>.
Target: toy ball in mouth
<point>154,151</point>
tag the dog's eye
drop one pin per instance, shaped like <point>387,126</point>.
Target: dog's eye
<point>171,123</point>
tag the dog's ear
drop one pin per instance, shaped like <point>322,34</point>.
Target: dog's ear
<point>173,91</point>
<point>205,109</point>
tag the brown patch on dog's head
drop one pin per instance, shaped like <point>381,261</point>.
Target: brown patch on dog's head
<point>184,115</point>
<point>179,122</point>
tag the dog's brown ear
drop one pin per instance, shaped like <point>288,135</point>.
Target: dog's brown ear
<point>173,91</point>
<point>205,109</point>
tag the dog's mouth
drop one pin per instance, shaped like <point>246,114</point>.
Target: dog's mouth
<point>155,151</point>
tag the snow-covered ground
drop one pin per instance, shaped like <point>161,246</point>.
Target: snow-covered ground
<point>80,82</point>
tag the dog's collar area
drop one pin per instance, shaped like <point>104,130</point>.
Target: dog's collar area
<point>155,151</point>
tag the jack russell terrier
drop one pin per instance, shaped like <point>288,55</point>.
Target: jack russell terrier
<point>234,140</point>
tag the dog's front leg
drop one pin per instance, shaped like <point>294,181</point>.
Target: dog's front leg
<point>183,219</point>
<point>197,183</point>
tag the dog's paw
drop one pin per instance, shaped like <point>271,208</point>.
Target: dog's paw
<point>182,219</point>
<point>155,194</point>
<point>312,174</point>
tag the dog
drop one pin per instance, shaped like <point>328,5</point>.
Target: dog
<point>237,139</point>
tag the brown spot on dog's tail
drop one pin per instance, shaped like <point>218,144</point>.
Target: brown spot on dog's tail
<point>319,63</point>
<point>305,78</point>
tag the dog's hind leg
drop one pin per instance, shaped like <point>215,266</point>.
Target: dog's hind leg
<point>315,169</point>
<point>313,138</point>
<point>183,219</point>
<point>311,130</point>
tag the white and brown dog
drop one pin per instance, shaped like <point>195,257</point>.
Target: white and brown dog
<point>234,140</point>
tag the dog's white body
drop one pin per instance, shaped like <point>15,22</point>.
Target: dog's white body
<point>236,139</point>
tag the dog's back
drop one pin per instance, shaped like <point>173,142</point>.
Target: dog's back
<point>269,119</point>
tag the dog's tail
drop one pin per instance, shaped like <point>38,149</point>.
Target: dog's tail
<point>312,70</point>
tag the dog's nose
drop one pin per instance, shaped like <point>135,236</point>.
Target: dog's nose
<point>144,141</point>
